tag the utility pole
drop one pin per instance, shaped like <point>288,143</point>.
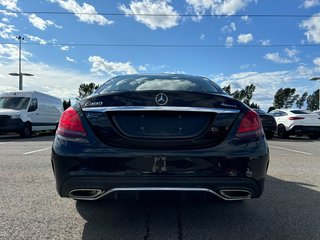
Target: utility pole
<point>20,74</point>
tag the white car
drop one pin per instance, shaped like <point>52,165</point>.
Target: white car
<point>296,122</point>
<point>317,112</point>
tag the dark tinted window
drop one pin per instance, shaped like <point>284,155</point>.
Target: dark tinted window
<point>33,105</point>
<point>129,83</point>
<point>259,111</point>
<point>281,114</point>
<point>300,112</point>
<point>16,103</point>
<point>278,113</point>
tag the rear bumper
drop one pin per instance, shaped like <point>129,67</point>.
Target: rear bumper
<point>307,130</point>
<point>270,128</point>
<point>80,166</point>
<point>248,188</point>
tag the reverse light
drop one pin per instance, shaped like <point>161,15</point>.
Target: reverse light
<point>250,125</point>
<point>296,118</point>
<point>70,124</point>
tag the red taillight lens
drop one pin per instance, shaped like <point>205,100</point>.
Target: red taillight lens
<point>296,118</point>
<point>70,124</point>
<point>250,125</point>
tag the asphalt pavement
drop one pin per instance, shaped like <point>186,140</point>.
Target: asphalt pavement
<point>30,208</point>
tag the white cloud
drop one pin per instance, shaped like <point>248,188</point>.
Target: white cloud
<point>149,67</point>
<point>142,68</point>
<point>91,17</point>
<point>247,66</point>
<point>5,20</point>
<point>152,7</point>
<point>202,37</point>
<point>231,6</point>
<point>11,52</point>
<point>229,41</point>
<point>311,3</point>
<point>39,23</point>
<point>246,19</point>
<point>71,59</point>
<point>36,39</point>
<point>175,72</point>
<point>265,42</point>
<point>312,25</point>
<point>276,58</point>
<point>10,4</point>
<point>101,67</point>
<point>62,83</point>
<point>290,56</point>
<point>316,61</point>
<point>267,83</point>
<point>227,7</point>
<point>229,28</point>
<point>245,38</point>
<point>291,52</point>
<point>305,71</point>
<point>65,48</point>
<point>6,31</point>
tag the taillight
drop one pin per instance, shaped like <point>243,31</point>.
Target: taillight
<point>70,124</point>
<point>250,125</point>
<point>296,118</point>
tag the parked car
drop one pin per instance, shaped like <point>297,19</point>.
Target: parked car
<point>268,122</point>
<point>317,112</point>
<point>296,122</point>
<point>25,112</point>
<point>160,133</point>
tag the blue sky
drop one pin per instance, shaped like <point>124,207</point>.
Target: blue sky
<point>247,44</point>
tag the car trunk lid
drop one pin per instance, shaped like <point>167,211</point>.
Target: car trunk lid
<point>187,120</point>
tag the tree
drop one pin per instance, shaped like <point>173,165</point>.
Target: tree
<point>66,104</point>
<point>227,89</point>
<point>285,97</point>
<point>248,93</point>
<point>271,109</point>
<point>313,101</point>
<point>254,105</point>
<point>301,100</point>
<point>243,95</point>
<point>86,90</point>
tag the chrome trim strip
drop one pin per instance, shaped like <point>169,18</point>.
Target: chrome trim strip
<point>221,196</point>
<point>159,108</point>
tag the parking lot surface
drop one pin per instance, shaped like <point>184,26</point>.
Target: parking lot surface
<point>30,207</point>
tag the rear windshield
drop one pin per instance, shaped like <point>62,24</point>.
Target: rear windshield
<point>300,112</point>
<point>15,103</point>
<point>150,83</point>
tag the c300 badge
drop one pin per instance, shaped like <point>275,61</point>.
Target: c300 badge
<point>93,104</point>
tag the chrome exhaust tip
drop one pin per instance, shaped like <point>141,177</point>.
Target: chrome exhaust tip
<point>85,194</point>
<point>235,194</point>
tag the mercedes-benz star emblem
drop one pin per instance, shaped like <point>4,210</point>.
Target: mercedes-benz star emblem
<point>161,99</point>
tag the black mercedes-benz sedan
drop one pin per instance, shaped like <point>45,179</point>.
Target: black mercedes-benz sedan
<point>165,132</point>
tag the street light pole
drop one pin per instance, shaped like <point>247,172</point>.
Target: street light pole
<point>315,79</point>
<point>20,74</point>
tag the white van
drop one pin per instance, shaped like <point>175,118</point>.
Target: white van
<point>24,112</point>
